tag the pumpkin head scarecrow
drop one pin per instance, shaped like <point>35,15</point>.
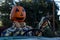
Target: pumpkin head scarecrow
<point>18,14</point>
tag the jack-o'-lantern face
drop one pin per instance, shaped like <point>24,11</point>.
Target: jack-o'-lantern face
<point>18,14</point>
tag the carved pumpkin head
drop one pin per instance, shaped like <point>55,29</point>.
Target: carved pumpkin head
<point>18,14</point>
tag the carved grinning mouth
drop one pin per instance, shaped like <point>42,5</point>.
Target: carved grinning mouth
<point>19,18</point>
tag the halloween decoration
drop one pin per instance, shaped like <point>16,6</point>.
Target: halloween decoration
<point>18,14</point>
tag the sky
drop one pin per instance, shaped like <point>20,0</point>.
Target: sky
<point>58,2</point>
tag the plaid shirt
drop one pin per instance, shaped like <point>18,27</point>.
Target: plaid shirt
<point>14,31</point>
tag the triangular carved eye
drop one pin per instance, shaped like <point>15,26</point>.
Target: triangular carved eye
<point>17,10</point>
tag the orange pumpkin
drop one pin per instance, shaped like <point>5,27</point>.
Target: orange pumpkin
<point>18,14</point>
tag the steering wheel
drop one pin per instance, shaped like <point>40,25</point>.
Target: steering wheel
<point>33,32</point>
